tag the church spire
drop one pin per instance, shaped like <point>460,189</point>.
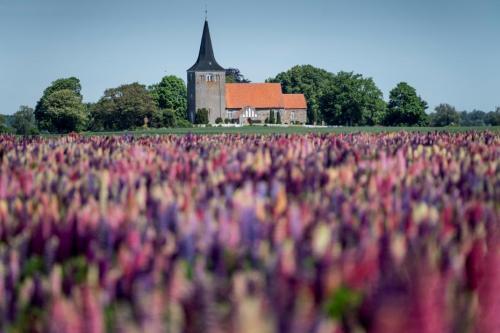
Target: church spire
<point>206,59</point>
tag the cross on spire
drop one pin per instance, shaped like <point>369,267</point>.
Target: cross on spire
<point>206,12</point>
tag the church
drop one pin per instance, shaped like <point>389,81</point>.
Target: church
<point>239,103</point>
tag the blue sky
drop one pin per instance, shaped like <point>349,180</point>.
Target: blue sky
<point>449,50</point>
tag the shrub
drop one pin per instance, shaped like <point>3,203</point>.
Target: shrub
<point>183,123</point>
<point>272,120</point>
<point>163,118</point>
<point>219,120</point>
<point>201,117</point>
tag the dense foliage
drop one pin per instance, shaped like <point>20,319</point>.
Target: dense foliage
<point>65,112</point>
<point>493,118</point>
<point>272,118</point>
<point>350,100</point>
<point>444,115</point>
<point>3,124</point>
<point>308,80</point>
<point>405,107</point>
<point>336,233</point>
<point>201,117</point>
<point>343,99</point>
<point>127,107</point>
<point>163,118</point>
<point>24,122</point>
<point>480,118</point>
<point>233,75</point>
<point>171,94</point>
<point>60,109</point>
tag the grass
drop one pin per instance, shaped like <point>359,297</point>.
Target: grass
<point>291,130</point>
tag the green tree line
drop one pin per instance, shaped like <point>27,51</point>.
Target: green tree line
<point>349,99</point>
<point>342,99</point>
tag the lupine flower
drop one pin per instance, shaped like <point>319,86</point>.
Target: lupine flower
<point>389,232</point>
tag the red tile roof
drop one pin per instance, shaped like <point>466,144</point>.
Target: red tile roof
<point>261,96</point>
<point>257,95</point>
<point>294,101</point>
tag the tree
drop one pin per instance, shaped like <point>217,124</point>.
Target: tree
<point>64,111</point>
<point>278,118</point>
<point>474,118</point>
<point>272,120</point>
<point>3,126</point>
<point>310,81</point>
<point>41,111</point>
<point>233,75</point>
<point>123,108</point>
<point>24,122</point>
<point>171,93</point>
<point>352,100</point>
<point>444,115</point>
<point>405,107</point>
<point>163,118</point>
<point>493,117</point>
<point>201,116</point>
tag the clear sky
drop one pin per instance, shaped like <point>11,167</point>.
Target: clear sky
<point>449,50</point>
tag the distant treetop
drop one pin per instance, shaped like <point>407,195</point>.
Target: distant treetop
<point>233,75</point>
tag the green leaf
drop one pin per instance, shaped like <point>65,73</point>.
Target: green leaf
<point>342,302</point>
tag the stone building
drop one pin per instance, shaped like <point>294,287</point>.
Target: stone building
<point>206,82</point>
<point>255,101</point>
<point>239,102</point>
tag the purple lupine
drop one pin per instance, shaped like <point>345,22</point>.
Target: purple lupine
<point>384,232</point>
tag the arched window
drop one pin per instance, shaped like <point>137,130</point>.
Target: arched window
<point>210,78</point>
<point>249,112</point>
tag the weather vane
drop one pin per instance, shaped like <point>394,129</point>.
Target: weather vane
<point>206,11</point>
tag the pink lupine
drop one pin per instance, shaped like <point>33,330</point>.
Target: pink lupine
<point>488,319</point>
<point>234,233</point>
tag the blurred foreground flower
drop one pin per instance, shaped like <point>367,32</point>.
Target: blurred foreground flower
<point>394,232</point>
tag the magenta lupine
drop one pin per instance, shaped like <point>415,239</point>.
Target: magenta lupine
<point>388,232</point>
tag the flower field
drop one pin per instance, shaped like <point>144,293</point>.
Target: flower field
<point>326,233</point>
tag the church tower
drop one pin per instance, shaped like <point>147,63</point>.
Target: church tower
<point>206,82</point>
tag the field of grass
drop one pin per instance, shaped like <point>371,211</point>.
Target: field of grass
<point>293,130</point>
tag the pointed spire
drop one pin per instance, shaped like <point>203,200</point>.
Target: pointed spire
<point>206,59</point>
